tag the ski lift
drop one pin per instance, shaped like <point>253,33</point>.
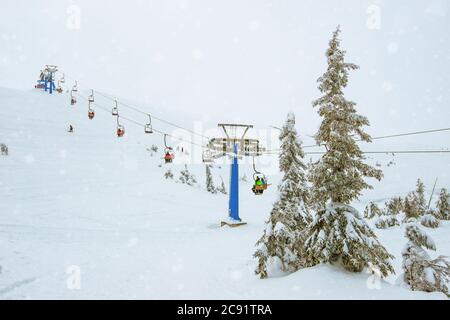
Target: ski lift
<point>91,97</point>
<point>115,109</point>
<point>63,79</point>
<point>75,87</point>
<point>168,152</point>
<point>260,181</point>
<point>148,127</point>
<point>60,82</point>
<point>73,99</point>
<point>91,114</point>
<point>120,129</point>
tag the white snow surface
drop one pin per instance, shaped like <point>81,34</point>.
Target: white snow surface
<point>91,201</point>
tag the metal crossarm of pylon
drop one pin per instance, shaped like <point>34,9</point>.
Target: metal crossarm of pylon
<point>47,78</point>
<point>236,146</point>
<point>246,147</point>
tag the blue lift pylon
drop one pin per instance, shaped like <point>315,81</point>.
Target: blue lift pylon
<point>234,146</point>
<point>233,207</point>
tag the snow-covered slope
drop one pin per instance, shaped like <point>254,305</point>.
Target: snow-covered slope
<point>91,201</point>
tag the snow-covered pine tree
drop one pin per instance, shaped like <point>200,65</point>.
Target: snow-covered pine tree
<point>421,201</point>
<point>186,177</point>
<point>222,189</point>
<point>443,205</point>
<point>339,232</point>
<point>415,202</point>
<point>395,206</point>
<point>372,210</point>
<point>420,272</point>
<point>281,246</point>
<point>209,180</point>
<point>168,175</point>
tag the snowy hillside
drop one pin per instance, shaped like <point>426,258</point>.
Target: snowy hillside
<point>91,202</point>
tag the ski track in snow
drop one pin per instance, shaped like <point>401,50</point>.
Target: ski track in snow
<point>100,203</point>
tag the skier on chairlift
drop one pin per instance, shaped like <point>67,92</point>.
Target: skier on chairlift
<point>258,183</point>
<point>168,157</point>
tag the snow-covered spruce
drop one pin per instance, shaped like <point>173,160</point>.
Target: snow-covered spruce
<point>186,177</point>
<point>222,189</point>
<point>415,204</point>
<point>282,245</point>
<point>443,205</point>
<point>338,232</point>
<point>421,272</point>
<point>372,210</point>
<point>209,180</point>
<point>394,206</point>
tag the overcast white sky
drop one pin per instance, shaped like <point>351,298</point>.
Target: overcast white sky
<point>243,60</point>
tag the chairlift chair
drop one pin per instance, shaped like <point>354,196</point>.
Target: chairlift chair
<point>148,127</point>
<point>73,99</point>
<point>169,155</point>
<point>120,131</point>
<point>168,152</point>
<point>120,128</point>
<point>260,180</point>
<point>115,109</point>
<point>91,97</point>
<point>259,189</point>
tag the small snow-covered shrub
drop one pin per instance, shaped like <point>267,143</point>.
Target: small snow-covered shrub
<point>443,205</point>
<point>429,220</point>
<point>385,222</point>
<point>152,150</point>
<point>394,206</point>
<point>372,210</point>
<point>168,175</point>
<point>420,272</point>
<point>4,149</point>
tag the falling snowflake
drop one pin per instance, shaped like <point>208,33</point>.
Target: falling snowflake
<point>387,86</point>
<point>393,48</point>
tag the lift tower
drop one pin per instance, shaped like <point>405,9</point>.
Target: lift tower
<point>236,146</point>
<point>47,78</point>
